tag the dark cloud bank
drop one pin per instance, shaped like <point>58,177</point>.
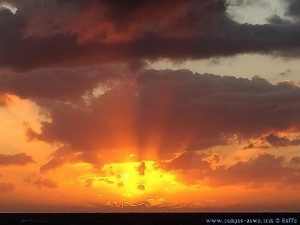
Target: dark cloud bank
<point>52,33</point>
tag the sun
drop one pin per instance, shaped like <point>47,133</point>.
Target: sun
<point>126,176</point>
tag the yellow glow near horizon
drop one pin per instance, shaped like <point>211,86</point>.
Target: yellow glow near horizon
<point>125,180</point>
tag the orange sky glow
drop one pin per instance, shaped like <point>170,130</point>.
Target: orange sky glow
<point>149,106</point>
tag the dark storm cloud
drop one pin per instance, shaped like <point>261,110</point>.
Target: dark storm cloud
<point>293,8</point>
<point>278,141</point>
<point>170,111</point>
<point>6,187</point>
<point>55,33</point>
<point>275,19</point>
<point>16,159</point>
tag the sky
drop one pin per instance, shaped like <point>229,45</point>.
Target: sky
<point>149,106</point>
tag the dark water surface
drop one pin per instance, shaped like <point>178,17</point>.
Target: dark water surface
<point>148,218</point>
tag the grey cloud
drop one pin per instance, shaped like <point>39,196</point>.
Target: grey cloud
<point>293,8</point>
<point>58,84</point>
<point>275,19</point>
<point>278,141</point>
<point>244,2</point>
<point>191,29</point>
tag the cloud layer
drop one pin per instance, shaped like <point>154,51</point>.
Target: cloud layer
<point>171,111</point>
<point>44,33</point>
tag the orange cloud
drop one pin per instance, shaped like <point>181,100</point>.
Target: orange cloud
<point>4,100</point>
<point>166,112</point>
<point>264,169</point>
<point>16,159</point>
<point>45,183</point>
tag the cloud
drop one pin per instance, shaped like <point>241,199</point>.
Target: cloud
<point>189,161</point>
<point>257,145</point>
<point>286,73</point>
<point>168,112</point>
<point>103,22</point>
<point>190,167</point>
<point>58,84</point>
<point>16,159</point>
<point>4,100</point>
<point>141,168</point>
<point>45,183</point>
<point>141,187</point>
<point>263,169</point>
<point>275,19</point>
<point>56,33</point>
<point>40,182</point>
<point>6,187</point>
<point>61,156</point>
<point>119,21</point>
<point>278,141</point>
<point>293,8</point>
<point>295,161</point>
<point>245,2</point>
<point>9,7</point>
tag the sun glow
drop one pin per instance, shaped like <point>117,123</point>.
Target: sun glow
<point>134,179</point>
